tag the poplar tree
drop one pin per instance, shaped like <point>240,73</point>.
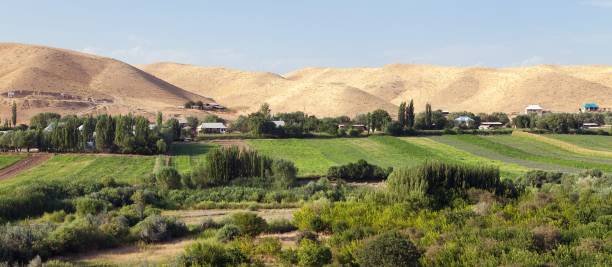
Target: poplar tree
<point>14,114</point>
<point>401,114</point>
<point>410,115</point>
<point>159,120</point>
<point>428,116</point>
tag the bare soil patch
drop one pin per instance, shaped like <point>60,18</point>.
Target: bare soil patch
<point>197,216</point>
<point>29,162</point>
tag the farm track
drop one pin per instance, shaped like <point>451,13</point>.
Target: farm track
<point>32,160</point>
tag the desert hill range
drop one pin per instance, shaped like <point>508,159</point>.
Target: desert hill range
<point>41,78</point>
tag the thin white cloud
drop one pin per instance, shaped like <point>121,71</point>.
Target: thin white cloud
<point>599,3</point>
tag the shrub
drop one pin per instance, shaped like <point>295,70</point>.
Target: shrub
<point>537,178</point>
<point>249,223</point>
<point>284,173</point>
<point>156,228</point>
<point>388,249</point>
<point>441,181</point>
<point>313,254</point>
<point>211,254</point>
<point>169,178</point>
<point>280,226</point>
<point>270,246</point>
<point>545,238</point>
<point>86,205</point>
<point>394,129</point>
<point>359,171</point>
<point>228,232</point>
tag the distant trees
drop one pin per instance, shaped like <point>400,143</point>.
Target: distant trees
<point>410,115</point>
<point>14,114</point>
<point>559,122</point>
<point>104,133</point>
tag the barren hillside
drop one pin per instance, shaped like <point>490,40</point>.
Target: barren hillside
<point>330,91</point>
<point>48,79</point>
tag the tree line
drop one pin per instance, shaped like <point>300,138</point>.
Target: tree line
<point>51,132</point>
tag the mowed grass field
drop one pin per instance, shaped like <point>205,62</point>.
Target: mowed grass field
<point>315,156</point>
<point>9,159</point>
<point>526,152</point>
<point>595,142</point>
<point>185,156</point>
<point>85,167</point>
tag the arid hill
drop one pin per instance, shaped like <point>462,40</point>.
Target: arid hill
<point>332,91</point>
<point>48,79</point>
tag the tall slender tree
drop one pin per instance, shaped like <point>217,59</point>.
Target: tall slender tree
<point>159,120</point>
<point>14,114</point>
<point>428,116</point>
<point>410,115</point>
<point>401,114</point>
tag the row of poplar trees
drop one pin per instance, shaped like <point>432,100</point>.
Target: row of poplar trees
<point>111,134</point>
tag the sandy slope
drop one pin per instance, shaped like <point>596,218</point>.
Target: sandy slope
<point>330,91</point>
<point>113,85</point>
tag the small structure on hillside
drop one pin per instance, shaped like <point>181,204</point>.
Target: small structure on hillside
<point>534,109</point>
<point>182,121</point>
<point>487,125</point>
<point>212,127</point>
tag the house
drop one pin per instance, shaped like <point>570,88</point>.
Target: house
<point>490,125</point>
<point>279,123</point>
<point>212,127</point>
<point>534,109</point>
<point>590,107</point>
<point>182,121</point>
<point>590,125</point>
<point>464,121</point>
<point>359,127</point>
<point>196,107</point>
<point>152,126</point>
<point>445,113</point>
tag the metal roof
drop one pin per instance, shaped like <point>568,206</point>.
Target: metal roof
<point>212,125</point>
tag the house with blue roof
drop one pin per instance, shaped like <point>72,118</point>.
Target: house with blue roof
<point>590,107</point>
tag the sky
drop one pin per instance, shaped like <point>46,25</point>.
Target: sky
<point>282,36</point>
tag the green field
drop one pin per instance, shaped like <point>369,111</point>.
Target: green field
<point>85,167</point>
<point>595,142</point>
<point>526,152</point>
<point>9,159</point>
<point>187,155</point>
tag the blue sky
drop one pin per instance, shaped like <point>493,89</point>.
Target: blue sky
<point>281,36</point>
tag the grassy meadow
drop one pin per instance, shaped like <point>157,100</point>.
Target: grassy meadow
<point>9,159</point>
<point>85,167</point>
<point>595,142</point>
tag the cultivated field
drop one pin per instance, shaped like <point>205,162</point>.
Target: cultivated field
<point>9,159</point>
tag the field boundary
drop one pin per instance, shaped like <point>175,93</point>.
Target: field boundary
<point>563,145</point>
<point>30,161</point>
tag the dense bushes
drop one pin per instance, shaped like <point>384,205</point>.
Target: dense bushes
<point>311,253</point>
<point>388,249</point>
<point>359,171</point>
<point>157,228</point>
<point>441,181</point>
<point>249,223</point>
<point>211,254</point>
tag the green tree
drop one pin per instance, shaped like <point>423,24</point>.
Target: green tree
<point>401,115</point>
<point>175,128</point>
<point>161,146</point>
<point>428,116</point>
<point>410,115</point>
<point>380,118</point>
<point>159,120</point>
<point>105,133</point>
<point>14,114</point>
<point>389,249</point>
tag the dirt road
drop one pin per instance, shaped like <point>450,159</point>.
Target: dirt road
<point>28,162</point>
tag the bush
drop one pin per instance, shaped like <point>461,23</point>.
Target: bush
<point>156,228</point>
<point>545,238</point>
<point>211,254</point>
<point>228,232</point>
<point>394,129</point>
<point>280,226</point>
<point>388,249</point>
<point>313,254</point>
<point>284,173</point>
<point>537,178</point>
<point>441,181</point>
<point>86,205</point>
<point>249,223</point>
<point>168,178</point>
<point>359,171</point>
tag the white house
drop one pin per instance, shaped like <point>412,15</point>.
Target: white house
<point>590,125</point>
<point>464,121</point>
<point>534,109</point>
<point>490,125</point>
<point>212,127</point>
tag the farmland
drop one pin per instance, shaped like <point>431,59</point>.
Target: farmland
<point>8,159</point>
<point>595,142</point>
